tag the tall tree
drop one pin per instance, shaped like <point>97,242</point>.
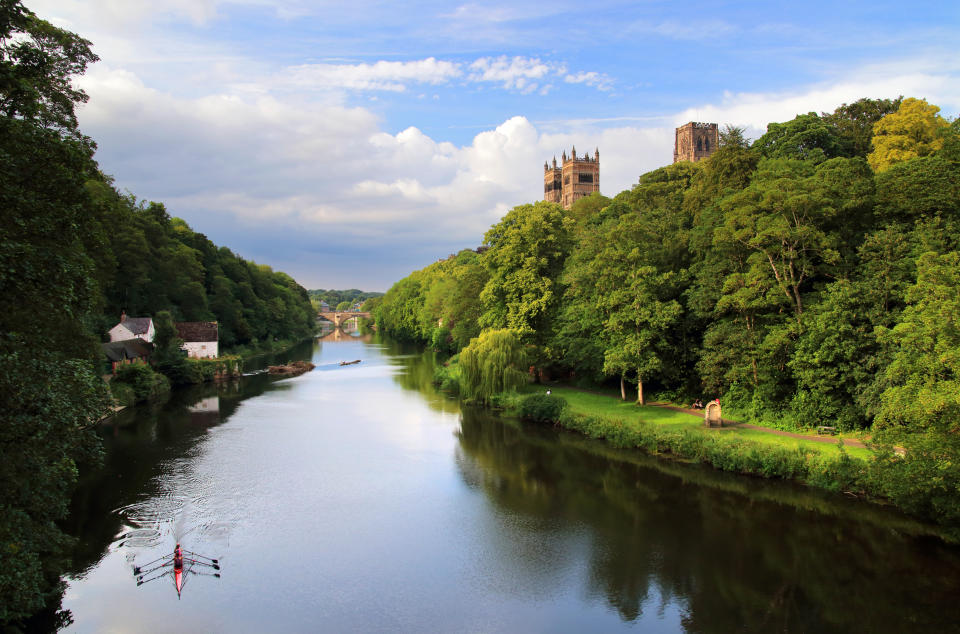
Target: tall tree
<point>526,255</point>
<point>921,409</point>
<point>806,137</point>
<point>50,394</point>
<point>913,130</point>
<point>854,122</point>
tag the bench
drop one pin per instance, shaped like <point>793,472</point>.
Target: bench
<point>826,429</point>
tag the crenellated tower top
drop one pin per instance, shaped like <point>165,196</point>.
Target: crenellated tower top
<point>574,178</point>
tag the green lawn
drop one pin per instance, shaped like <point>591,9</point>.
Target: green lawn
<point>613,408</point>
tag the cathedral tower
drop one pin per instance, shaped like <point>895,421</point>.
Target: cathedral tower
<point>576,177</point>
<point>695,141</point>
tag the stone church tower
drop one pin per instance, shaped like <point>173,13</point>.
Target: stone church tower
<point>695,141</point>
<point>576,177</point>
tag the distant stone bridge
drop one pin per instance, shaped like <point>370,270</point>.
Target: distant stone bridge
<point>339,317</point>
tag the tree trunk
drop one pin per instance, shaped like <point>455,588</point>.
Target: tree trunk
<point>640,391</point>
<point>623,389</point>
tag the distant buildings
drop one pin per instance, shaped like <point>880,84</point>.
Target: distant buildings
<point>200,338</point>
<point>132,328</point>
<point>131,340</point>
<point>695,141</point>
<point>576,177</point>
<point>579,176</point>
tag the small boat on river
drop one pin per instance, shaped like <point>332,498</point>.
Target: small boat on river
<point>178,566</point>
<point>349,362</point>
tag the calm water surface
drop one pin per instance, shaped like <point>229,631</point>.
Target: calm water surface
<point>358,499</point>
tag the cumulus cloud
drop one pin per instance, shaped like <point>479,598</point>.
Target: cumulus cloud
<point>290,182</point>
<point>755,110</point>
<point>514,73</point>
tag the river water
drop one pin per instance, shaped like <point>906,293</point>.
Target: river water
<point>358,499</point>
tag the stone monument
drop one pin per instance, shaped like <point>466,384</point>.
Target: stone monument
<point>711,415</point>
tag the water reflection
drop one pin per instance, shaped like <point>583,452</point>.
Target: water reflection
<point>359,498</point>
<point>724,560</point>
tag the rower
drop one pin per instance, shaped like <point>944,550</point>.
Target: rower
<point>177,558</point>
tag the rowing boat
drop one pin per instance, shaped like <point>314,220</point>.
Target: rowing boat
<point>167,565</point>
<point>178,579</point>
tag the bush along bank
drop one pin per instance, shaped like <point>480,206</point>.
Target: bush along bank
<point>840,472</point>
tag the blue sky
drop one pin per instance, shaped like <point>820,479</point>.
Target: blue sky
<point>351,143</point>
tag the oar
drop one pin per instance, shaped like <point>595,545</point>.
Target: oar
<point>141,580</point>
<point>203,563</point>
<point>190,552</point>
<point>137,569</point>
<point>149,570</point>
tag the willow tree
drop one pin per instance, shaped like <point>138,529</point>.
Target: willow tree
<point>494,362</point>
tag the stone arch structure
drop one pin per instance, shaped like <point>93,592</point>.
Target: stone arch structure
<point>712,415</point>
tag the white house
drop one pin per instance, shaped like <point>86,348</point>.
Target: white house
<point>132,328</point>
<point>200,338</point>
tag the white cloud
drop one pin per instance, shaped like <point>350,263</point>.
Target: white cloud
<point>285,181</point>
<point>125,13</point>
<point>756,110</point>
<point>592,78</point>
<point>515,73</point>
<point>382,75</point>
<point>702,30</point>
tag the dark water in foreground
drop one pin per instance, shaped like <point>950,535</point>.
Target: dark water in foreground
<point>357,499</point>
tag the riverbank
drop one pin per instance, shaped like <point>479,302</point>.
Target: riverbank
<point>836,464</point>
<point>254,350</point>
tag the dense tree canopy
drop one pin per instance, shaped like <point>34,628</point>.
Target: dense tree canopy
<point>793,278</point>
<point>74,253</point>
<point>912,131</point>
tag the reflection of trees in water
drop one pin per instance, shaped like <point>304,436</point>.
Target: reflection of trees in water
<point>139,442</point>
<point>732,560</point>
<point>416,367</point>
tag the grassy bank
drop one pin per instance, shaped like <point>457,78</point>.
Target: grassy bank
<point>613,409</point>
<point>669,433</point>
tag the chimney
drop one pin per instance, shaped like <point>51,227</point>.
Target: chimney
<point>123,316</point>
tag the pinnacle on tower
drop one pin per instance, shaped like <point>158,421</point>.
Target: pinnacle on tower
<point>574,152</point>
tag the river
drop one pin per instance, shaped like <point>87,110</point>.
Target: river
<point>359,499</point>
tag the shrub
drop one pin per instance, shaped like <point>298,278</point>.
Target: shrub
<point>146,384</point>
<point>542,408</point>
<point>122,393</point>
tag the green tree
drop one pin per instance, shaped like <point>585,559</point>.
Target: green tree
<point>50,394</point>
<point>921,408</point>
<point>807,137</point>
<point>913,130</point>
<point>854,122</point>
<point>526,255</point>
<point>37,64</point>
<point>493,363</point>
<point>733,136</point>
